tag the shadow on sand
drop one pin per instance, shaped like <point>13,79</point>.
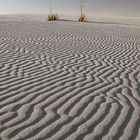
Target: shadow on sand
<point>100,22</point>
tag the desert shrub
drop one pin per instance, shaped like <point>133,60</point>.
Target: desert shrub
<point>53,17</point>
<point>82,18</point>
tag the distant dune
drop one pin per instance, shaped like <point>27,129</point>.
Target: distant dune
<point>68,80</point>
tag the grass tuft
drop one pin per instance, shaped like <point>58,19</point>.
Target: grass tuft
<point>53,17</point>
<point>82,18</point>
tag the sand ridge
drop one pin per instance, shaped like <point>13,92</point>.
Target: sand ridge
<point>68,80</point>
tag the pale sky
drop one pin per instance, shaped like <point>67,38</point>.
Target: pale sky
<point>130,8</point>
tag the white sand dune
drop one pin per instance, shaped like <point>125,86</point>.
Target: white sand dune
<point>95,19</point>
<point>69,80</point>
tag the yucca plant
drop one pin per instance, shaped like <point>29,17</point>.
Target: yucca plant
<point>52,16</point>
<point>82,17</point>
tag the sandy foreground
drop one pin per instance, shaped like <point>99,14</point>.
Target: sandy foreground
<point>69,80</point>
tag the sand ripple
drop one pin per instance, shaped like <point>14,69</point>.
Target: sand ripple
<point>66,80</point>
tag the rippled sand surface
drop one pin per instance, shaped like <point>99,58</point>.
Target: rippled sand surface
<point>69,80</point>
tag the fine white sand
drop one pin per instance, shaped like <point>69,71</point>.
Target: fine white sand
<point>95,19</point>
<point>69,80</point>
